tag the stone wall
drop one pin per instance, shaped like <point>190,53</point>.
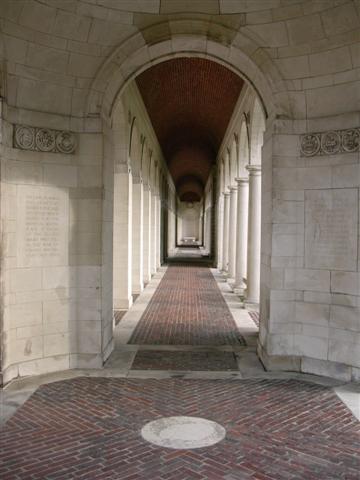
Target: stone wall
<point>311,316</point>
<point>51,237</point>
<point>64,66</point>
<point>190,220</point>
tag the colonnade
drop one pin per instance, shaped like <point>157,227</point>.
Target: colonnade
<point>239,234</point>
<point>137,244</point>
<point>142,191</point>
<point>239,201</point>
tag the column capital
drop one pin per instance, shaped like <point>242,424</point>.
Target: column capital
<point>253,169</point>
<point>242,180</point>
<point>226,194</point>
<point>233,188</point>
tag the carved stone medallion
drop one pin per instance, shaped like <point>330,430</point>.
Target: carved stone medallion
<point>350,140</point>
<point>330,142</point>
<point>310,144</point>
<point>25,137</point>
<point>65,142</point>
<point>45,140</point>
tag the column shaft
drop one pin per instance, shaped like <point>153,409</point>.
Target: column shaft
<point>158,231</point>
<point>254,235</point>
<point>154,238</point>
<point>122,240</point>
<point>220,232</point>
<point>232,231</point>
<point>242,233</point>
<point>137,240</point>
<point>147,235</point>
<point>225,260</point>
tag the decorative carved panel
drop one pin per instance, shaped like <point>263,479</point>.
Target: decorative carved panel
<point>44,139</point>
<point>330,143</point>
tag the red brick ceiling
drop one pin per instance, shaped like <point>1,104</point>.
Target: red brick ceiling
<point>190,102</point>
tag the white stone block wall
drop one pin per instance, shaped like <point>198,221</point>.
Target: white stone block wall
<point>313,323</point>
<point>65,64</point>
<point>51,264</point>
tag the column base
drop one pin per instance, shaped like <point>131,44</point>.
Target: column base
<point>240,289</point>
<point>123,303</point>
<point>231,282</point>
<point>249,305</point>
<point>137,290</point>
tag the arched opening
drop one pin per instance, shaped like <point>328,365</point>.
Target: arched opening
<point>192,114</point>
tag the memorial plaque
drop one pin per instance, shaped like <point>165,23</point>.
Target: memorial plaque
<point>42,226</point>
<point>331,218</point>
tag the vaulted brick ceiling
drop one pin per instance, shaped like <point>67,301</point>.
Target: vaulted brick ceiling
<point>190,102</point>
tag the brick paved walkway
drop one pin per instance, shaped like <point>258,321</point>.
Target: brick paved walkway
<point>198,361</point>
<point>187,308</point>
<point>89,428</point>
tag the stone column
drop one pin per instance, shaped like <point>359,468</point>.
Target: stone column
<point>158,231</point>
<point>122,238</point>
<point>154,238</point>
<point>220,232</point>
<point>171,233</point>
<point>137,240</point>
<point>232,231</point>
<point>147,234</point>
<point>254,235</point>
<point>242,232</point>
<point>200,229</point>
<point>179,230</point>
<point>225,258</point>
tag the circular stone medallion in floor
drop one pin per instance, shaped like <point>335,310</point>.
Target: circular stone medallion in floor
<point>183,432</point>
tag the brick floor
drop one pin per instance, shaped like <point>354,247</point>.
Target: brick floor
<point>118,315</point>
<point>199,361</point>
<point>89,428</point>
<point>187,308</point>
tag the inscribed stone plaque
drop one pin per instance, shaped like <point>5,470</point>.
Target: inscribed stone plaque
<point>331,218</point>
<point>42,226</point>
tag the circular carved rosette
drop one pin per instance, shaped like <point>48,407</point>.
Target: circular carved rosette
<point>330,142</point>
<point>25,137</point>
<point>45,140</point>
<point>65,142</point>
<point>310,144</point>
<point>350,140</point>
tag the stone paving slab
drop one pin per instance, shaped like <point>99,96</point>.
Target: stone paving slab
<point>187,309</point>
<point>91,428</point>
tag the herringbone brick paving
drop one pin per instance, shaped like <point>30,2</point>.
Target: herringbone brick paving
<point>89,428</point>
<point>187,308</point>
<point>200,361</point>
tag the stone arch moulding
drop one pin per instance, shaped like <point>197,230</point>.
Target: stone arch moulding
<point>134,56</point>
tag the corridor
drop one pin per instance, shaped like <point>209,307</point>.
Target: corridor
<point>187,321</point>
<point>187,309</point>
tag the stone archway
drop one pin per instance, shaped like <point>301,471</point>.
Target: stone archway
<point>117,76</point>
<point>134,56</point>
